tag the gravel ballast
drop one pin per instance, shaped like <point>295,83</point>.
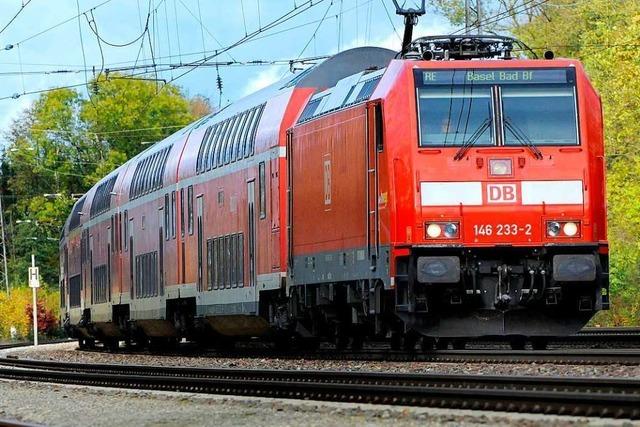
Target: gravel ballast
<point>63,405</point>
<point>67,352</point>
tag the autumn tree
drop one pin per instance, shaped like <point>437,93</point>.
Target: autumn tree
<point>63,144</point>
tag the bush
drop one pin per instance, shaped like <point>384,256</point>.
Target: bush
<point>16,311</point>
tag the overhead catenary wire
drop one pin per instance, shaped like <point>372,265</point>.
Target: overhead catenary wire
<point>15,16</point>
<point>46,30</point>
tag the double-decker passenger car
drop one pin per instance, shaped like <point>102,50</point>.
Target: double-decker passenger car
<point>366,196</point>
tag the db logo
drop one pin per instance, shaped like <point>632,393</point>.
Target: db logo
<point>501,193</point>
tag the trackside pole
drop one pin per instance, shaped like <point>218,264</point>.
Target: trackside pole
<point>34,283</point>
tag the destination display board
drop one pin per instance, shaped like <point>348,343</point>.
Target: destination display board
<point>495,76</point>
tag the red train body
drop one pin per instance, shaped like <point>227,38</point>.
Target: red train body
<point>366,197</point>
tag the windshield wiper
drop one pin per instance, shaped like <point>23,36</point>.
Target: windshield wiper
<point>522,138</point>
<point>466,145</point>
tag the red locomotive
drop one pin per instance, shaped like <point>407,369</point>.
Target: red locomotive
<point>365,197</point>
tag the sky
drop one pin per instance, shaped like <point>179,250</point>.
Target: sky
<point>53,40</point>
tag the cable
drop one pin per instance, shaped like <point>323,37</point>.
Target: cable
<point>15,16</point>
<point>390,20</point>
<point>244,21</point>
<point>146,28</point>
<point>62,23</point>
<point>84,59</point>
<point>203,27</point>
<point>316,30</point>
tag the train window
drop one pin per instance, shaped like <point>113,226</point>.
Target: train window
<point>310,109</point>
<point>254,129</point>
<point>454,115</point>
<point>190,209</point>
<point>199,159</point>
<point>220,145</point>
<point>146,177</point>
<point>229,140</point>
<point>162,167</point>
<point>214,140</point>
<point>223,262</point>
<point>126,231</point>
<point>182,212</point>
<point>236,138</point>
<point>202,153</point>
<point>245,134</point>
<point>232,261</point>
<point>153,167</point>
<point>239,145</point>
<point>166,216</point>
<point>544,114</point>
<point>216,263</point>
<point>173,214</point>
<point>240,259</point>
<point>367,89</point>
<point>263,190</point>
<point>210,271</point>
<point>207,152</point>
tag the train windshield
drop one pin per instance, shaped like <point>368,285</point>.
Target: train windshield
<point>497,107</point>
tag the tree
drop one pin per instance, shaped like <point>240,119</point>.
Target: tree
<point>63,144</point>
<point>199,106</point>
<point>125,112</point>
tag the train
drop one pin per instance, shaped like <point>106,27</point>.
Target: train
<point>449,192</point>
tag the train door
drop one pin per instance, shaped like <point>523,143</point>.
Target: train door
<point>251,232</point>
<point>161,249</point>
<point>199,231</point>
<point>275,215</point>
<point>374,132</point>
<point>90,284</point>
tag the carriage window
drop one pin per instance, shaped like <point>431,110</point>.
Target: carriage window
<point>173,214</point>
<point>263,190</point>
<point>190,208</point>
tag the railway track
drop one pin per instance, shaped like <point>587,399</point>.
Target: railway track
<point>627,356</point>
<point>602,397</point>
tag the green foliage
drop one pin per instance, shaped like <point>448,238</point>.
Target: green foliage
<point>63,144</point>
<point>122,104</point>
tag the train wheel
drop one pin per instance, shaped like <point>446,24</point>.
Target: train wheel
<point>517,343</point>
<point>459,344</point>
<point>539,343</point>
<point>113,345</point>
<point>410,341</point>
<point>427,343</point>
<point>396,341</point>
<point>357,342</point>
<point>442,344</point>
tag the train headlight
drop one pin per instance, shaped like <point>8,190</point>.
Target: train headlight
<point>442,230</point>
<point>563,228</point>
<point>451,230</point>
<point>570,229</point>
<point>500,167</point>
<point>434,231</point>
<point>553,228</point>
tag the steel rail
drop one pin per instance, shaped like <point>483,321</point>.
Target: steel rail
<point>626,356</point>
<point>611,397</point>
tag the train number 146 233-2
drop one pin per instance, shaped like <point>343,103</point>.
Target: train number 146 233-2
<point>501,229</point>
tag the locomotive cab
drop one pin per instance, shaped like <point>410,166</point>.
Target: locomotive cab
<point>504,231</point>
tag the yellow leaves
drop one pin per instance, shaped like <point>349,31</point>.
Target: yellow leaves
<point>13,309</point>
